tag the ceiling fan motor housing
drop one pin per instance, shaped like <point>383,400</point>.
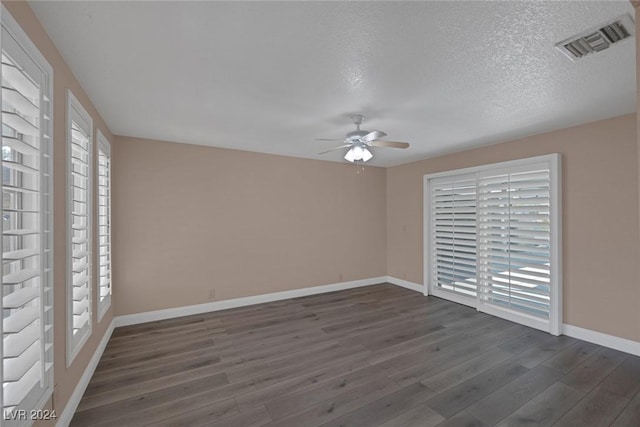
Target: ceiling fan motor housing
<point>356,134</point>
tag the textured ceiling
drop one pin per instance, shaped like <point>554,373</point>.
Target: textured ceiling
<point>273,76</point>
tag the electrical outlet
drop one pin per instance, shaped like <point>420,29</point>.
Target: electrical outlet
<point>212,294</point>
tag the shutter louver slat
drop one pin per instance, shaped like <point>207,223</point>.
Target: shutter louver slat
<point>19,232</point>
<point>20,320</point>
<point>20,298</point>
<point>461,272</point>
<point>19,277</point>
<point>518,280</point>
<point>507,299</point>
<point>447,260</point>
<point>81,306</point>
<point>20,254</point>
<point>18,145</point>
<point>80,280</point>
<point>19,81</point>
<point>15,392</point>
<point>15,344</point>
<point>17,367</point>
<point>20,124</point>
<point>19,189</point>
<point>80,320</point>
<point>81,253</point>
<point>514,248</point>
<point>16,100</point>
<point>80,267</point>
<point>80,292</point>
<point>541,290</point>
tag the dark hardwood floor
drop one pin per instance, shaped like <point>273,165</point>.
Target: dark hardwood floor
<point>373,356</point>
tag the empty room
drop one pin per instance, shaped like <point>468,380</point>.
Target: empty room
<point>320,213</point>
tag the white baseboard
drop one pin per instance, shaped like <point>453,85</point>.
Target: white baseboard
<point>170,313</point>
<point>405,284</point>
<point>605,340</point>
<point>78,392</point>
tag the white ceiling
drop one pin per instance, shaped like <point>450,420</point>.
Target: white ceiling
<point>273,76</point>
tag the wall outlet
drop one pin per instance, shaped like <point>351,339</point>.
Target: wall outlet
<point>212,294</point>
<point>340,278</point>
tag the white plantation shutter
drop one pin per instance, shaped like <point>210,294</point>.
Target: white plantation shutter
<point>27,225</point>
<point>494,239</point>
<point>79,152</point>
<point>454,234</point>
<point>514,239</point>
<point>104,224</point>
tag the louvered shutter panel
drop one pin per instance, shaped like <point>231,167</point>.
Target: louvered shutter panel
<point>104,224</point>
<point>514,241</point>
<point>493,239</point>
<point>27,234</point>
<point>80,152</point>
<point>453,204</point>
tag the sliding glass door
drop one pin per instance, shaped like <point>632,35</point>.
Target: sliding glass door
<point>492,239</point>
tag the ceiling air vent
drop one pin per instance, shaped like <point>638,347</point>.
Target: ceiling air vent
<point>597,39</point>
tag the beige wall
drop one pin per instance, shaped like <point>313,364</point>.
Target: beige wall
<point>189,219</point>
<point>600,218</point>
<point>65,379</point>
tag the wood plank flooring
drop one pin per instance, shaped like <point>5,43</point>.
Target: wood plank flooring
<point>373,356</point>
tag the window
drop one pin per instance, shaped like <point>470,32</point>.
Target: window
<point>104,225</point>
<point>492,240</point>
<point>27,221</point>
<point>79,158</point>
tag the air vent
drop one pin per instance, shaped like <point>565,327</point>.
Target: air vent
<point>598,39</point>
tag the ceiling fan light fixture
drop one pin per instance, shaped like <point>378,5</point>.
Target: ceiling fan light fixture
<point>358,152</point>
<point>350,157</point>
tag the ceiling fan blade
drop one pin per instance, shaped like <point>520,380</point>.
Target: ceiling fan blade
<point>333,140</point>
<point>392,144</point>
<point>373,135</point>
<point>337,148</point>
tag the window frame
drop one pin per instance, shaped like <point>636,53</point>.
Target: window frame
<point>46,127</point>
<point>104,146</point>
<point>553,161</point>
<point>74,107</point>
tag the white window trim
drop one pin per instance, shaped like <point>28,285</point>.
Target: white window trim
<point>74,348</point>
<point>554,325</point>
<point>105,146</point>
<point>9,23</point>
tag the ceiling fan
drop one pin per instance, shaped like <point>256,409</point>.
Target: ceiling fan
<point>359,141</point>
